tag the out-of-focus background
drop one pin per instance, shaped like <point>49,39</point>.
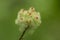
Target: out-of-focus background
<point>50,16</point>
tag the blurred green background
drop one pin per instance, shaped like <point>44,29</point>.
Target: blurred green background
<point>50,16</point>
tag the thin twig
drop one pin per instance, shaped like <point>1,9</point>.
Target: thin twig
<point>23,33</point>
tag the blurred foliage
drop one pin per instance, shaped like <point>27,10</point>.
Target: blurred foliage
<point>50,16</point>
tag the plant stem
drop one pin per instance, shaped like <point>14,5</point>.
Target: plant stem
<point>23,32</point>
